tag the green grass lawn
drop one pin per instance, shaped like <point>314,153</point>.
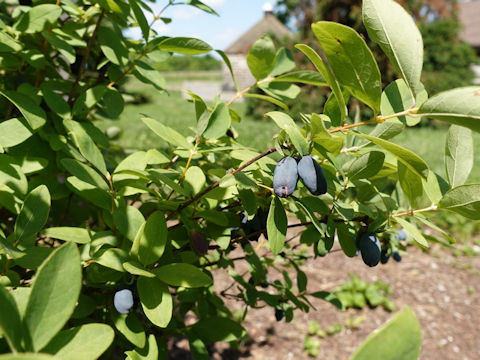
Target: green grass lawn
<point>174,111</point>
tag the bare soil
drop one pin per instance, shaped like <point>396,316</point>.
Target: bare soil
<point>442,290</point>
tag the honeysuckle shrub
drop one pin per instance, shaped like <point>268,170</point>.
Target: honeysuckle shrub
<point>77,225</point>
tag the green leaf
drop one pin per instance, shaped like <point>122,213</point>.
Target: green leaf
<point>112,258</point>
<point>269,99</point>
<point>167,134</point>
<point>303,77</point>
<point>261,57</point>
<point>33,113</point>
<point>61,45</point>
<point>130,327</point>
<point>86,145</point>
<point>112,46</point>
<point>37,18</point>
<point>397,98</point>
<point>182,274</point>
<point>56,102</point>
<point>140,17</point>
<point>74,234</point>
<point>156,300</point>
<point>198,350</point>
<point>218,122</point>
<point>391,27</point>
<point>286,123</point>
<point>320,135</point>
<point>194,179</point>
<point>90,192</point>
<point>14,131</point>
<point>215,329</point>
<point>459,106</point>
<point>277,225</point>
<point>70,344</point>
<point>84,173</point>
<point>128,220</point>
<point>346,238</point>
<point>184,45</point>
<point>33,215</point>
<point>458,155</point>
<point>202,6</point>
<point>327,75</point>
<point>366,166</point>
<point>412,231</point>
<point>149,352</point>
<point>411,160</point>
<point>113,105</point>
<point>332,108</point>
<point>149,75</point>
<point>351,61</point>
<point>399,338</point>
<point>10,321</point>
<point>411,184</point>
<point>150,241</point>
<point>227,62</point>
<point>464,200</point>
<point>25,356</point>
<point>137,269</point>
<point>284,62</point>
<point>88,100</point>
<point>54,294</point>
<point>8,43</point>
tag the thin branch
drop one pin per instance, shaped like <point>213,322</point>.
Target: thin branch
<point>412,212</point>
<point>216,184</point>
<point>346,127</point>
<point>239,94</point>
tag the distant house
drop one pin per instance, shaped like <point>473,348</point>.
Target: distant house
<point>237,51</point>
<point>469,16</point>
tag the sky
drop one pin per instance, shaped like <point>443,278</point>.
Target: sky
<point>236,17</point>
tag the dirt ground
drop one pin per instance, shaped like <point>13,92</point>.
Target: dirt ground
<point>443,291</point>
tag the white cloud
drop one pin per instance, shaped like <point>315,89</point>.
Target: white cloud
<point>225,37</point>
<point>214,3</point>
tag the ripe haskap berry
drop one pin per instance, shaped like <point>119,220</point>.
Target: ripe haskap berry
<point>278,314</point>
<point>123,301</point>
<point>370,248</point>
<point>397,257</point>
<point>312,175</point>
<point>384,257</point>
<point>199,243</point>
<point>285,177</point>
<point>402,235</point>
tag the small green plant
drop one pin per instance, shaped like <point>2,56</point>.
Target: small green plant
<point>358,294</point>
<point>311,346</point>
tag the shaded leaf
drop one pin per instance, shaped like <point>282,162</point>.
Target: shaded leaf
<point>54,295</point>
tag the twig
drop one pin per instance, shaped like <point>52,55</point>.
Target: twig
<point>216,184</point>
<point>411,212</point>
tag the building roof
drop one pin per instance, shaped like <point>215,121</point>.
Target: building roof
<point>269,24</point>
<point>469,16</point>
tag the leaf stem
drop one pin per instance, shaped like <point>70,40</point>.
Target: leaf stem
<point>411,212</point>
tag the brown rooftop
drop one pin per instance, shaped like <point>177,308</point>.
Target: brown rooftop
<point>269,24</point>
<point>469,16</point>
